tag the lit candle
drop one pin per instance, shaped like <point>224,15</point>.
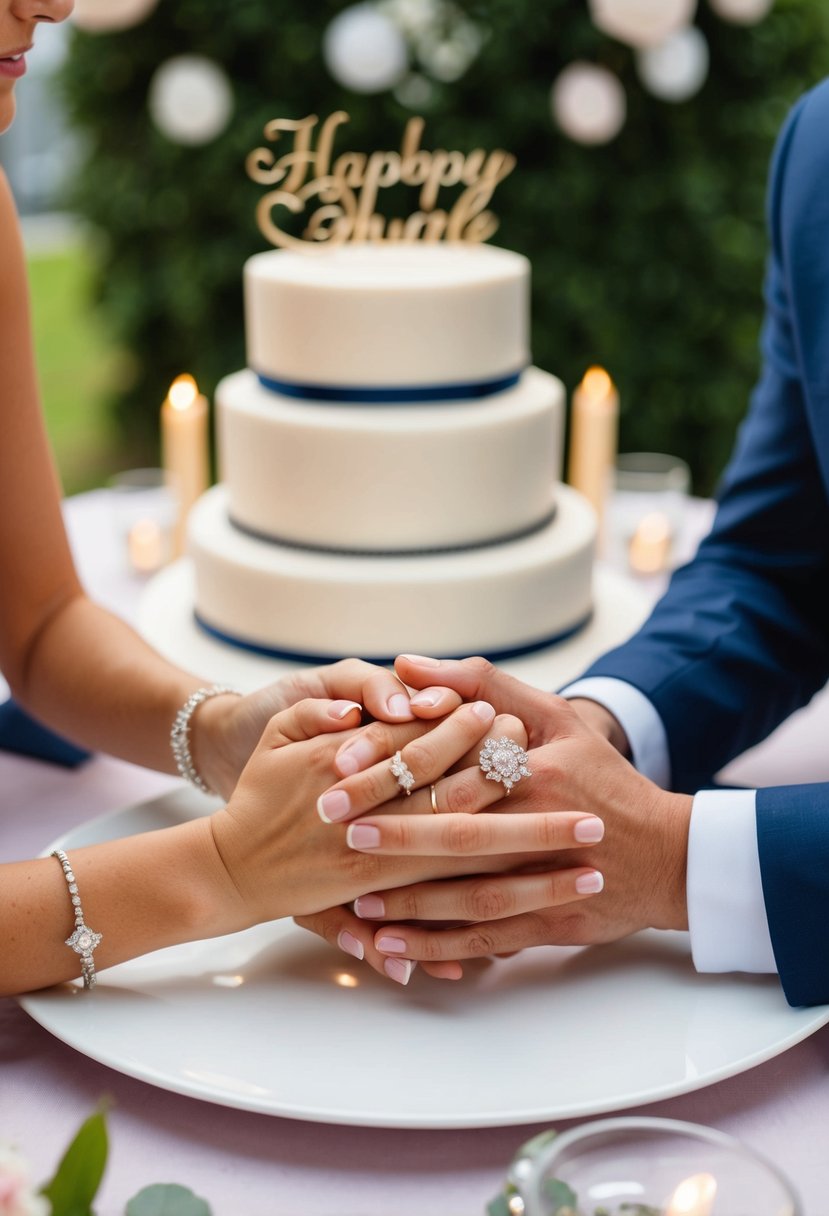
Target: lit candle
<point>145,546</point>
<point>594,429</point>
<point>694,1197</point>
<point>184,447</point>
<point>650,545</point>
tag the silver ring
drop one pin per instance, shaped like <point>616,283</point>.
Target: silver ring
<point>402,773</point>
<point>503,760</point>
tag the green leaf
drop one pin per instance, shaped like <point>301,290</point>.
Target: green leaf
<point>498,1206</point>
<point>167,1199</point>
<point>79,1174</point>
<point>563,1199</point>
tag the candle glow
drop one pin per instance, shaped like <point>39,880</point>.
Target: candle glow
<point>597,384</point>
<point>183,392</point>
<point>694,1196</point>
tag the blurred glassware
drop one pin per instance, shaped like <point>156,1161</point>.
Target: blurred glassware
<point>647,510</point>
<point>144,514</point>
<point>640,1166</point>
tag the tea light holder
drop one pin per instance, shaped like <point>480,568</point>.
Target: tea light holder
<point>643,1167</point>
<point>646,511</point>
<point>144,515</point>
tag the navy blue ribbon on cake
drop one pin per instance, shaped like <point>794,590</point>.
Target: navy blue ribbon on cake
<point>374,394</point>
<point>315,657</point>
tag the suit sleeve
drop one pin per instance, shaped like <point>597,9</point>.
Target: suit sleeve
<point>741,638</point>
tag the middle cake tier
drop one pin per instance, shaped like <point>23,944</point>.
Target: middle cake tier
<point>390,478</point>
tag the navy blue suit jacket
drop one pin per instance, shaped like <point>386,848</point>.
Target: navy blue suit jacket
<point>741,638</point>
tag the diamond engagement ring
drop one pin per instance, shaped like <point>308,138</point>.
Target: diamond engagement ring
<point>402,773</point>
<point>503,760</point>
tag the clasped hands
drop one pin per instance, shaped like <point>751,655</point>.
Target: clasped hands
<point>585,850</point>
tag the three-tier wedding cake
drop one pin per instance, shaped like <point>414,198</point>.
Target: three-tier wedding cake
<point>390,464</point>
<point>390,461</point>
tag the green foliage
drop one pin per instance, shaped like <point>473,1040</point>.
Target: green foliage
<point>79,1174</point>
<point>647,253</point>
<point>78,368</point>
<point>167,1200</point>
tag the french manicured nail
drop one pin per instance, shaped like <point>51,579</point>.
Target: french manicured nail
<point>484,711</point>
<point>399,969</point>
<point>426,700</point>
<point>590,884</point>
<point>354,758</point>
<point>341,709</point>
<point>398,705</point>
<point>589,831</point>
<point>421,660</point>
<point>362,836</point>
<point>370,907</point>
<point>391,945</point>
<point>333,806</point>
<point>351,945</point>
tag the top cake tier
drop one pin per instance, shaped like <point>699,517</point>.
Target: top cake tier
<point>398,316</point>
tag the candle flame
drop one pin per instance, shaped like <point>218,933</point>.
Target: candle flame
<point>597,383</point>
<point>183,392</point>
<point>694,1196</point>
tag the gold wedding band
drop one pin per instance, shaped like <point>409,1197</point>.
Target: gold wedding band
<point>434,798</point>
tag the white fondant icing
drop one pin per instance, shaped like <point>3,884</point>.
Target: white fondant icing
<point>390,477</point>
<point>475,601</point>
<point>388,314</point>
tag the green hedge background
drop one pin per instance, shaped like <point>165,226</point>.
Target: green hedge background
<point>647,252</point>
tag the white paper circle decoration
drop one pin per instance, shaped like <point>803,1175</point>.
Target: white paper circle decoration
<point>742,12</point>
<point>104,16</point>
<point>190,99</point>
<point>676,69</point>
<point>588,103</point>
<point>641,23</point>
<point>364,50</point>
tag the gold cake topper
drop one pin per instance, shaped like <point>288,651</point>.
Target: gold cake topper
<point>345,188</point>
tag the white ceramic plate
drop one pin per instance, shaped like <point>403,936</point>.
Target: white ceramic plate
<point>273,1020</point>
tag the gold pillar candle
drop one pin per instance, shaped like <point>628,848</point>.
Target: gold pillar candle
<point>184,448</point>
<point>594,429</point>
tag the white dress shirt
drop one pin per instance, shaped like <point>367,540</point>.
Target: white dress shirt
<point>726,909</point>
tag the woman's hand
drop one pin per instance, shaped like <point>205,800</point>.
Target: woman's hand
<point>226,729</point>
<point>277,856</point>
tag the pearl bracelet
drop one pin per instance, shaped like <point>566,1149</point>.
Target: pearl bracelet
<point>83,940</point>
<point>180,734</point>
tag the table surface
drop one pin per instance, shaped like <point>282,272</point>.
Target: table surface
<point>260,1165</point>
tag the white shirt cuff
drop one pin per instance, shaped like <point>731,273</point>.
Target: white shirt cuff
<point>637,718</point>
<point>726,909</point>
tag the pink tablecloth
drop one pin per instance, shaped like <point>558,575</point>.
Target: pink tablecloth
<point>253,1165</point>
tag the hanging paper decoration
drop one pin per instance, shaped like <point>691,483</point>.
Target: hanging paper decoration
<point>641,23</point>
<point>365,50</point>
<point>190,99</point>
<point>742,12</point>
<point>588,103</point>
<point>105,16</point>
<point>677,68</point>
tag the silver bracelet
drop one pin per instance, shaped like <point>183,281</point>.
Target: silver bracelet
<point>180,734</point>
<point>83,940</point>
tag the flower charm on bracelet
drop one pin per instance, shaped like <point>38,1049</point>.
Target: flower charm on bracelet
<point>503,760</point>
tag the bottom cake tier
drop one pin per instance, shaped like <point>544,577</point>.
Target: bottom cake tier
<point>290,602</point>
